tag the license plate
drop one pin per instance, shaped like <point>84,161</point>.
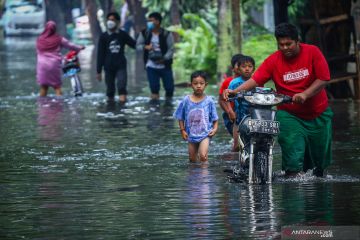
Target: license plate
<point>264,126</point>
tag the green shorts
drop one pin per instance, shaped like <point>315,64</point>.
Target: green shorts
<point>305,144</point>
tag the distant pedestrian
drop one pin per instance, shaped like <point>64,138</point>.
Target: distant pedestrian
<point>126,19</point>
<point>158,47</point>
<point>110,56</point>
<point>198,119</point>
<point>49,59</point>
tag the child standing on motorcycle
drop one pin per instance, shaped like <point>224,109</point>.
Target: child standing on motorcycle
<point>246,67</point>
<point>198,119</point>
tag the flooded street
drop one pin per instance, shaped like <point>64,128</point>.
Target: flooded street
<point>82,169</point>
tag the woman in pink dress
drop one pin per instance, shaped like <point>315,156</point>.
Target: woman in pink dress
<point>48,69</point>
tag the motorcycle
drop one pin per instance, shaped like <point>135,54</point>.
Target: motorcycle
<point>71,68</point>
<point>257,132</point>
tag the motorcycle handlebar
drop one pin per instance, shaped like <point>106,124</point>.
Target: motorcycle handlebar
<point>241,95</point>
<point>238,95</point>
<point>287,99</point>
<point>231,99</point>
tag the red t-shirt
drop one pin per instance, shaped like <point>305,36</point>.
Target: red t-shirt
<point>225,85</point>
<point>294,76</point>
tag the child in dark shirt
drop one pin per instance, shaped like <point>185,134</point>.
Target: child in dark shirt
<point>111,57</point>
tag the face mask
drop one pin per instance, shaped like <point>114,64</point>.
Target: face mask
<point>150,25</point>
<point>110,24</point>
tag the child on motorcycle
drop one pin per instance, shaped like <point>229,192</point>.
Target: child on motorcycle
<point>198,119</point>
<point>246,67</point>
<point>229,114</point>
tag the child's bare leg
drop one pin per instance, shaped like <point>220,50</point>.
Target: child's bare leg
<point>58,91</point>
<point>203,149</point>
<point>193,151</point>
<point>236,143</point>
<point>43,90</point>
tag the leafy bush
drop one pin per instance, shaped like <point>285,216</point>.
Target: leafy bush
<point>260,47</point>
<point>197,48</point>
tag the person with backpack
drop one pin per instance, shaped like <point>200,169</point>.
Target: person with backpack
<point>158,47</point>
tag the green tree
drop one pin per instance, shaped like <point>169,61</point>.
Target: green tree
<point>224,39</point>
<point>197,48</point>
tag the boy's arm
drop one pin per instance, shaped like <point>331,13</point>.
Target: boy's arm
<point>170,44</point>
<point>100,54</point>
<point>140,42</point>
<point>182,130</point>
<point>226,107</point>
<point>130,41</point>
<point>248,85</point>
<point>215,127</point>
<point>100,57</point>
<point>314,89</point>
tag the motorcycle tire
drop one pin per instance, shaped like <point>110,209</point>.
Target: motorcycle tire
<point>261,163</point>
<point>76,86</point>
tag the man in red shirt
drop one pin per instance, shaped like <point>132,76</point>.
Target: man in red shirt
<point>229,114</point>
<point>301,71</point>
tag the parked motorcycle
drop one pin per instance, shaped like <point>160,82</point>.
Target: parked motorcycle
<point>71,68</point>
<point>257,132</point>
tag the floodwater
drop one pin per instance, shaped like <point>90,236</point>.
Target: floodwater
<point>81,169</point>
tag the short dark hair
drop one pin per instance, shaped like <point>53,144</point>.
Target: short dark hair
<point>234,59</point>
<point>114,14</point>
<point>199,73</point>
<point>286,30</point>
<point>244,59</point>
<point>155,15</point>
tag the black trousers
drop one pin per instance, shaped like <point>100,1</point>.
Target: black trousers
<point>120,76</point>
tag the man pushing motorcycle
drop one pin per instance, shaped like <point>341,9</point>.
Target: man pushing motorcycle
<point>301,71</point>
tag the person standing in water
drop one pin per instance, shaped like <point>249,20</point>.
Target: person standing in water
<point>158,46</point>
<point>198,119</point>
<point>110,56</point>
<point>299,70</point>
<point>49,58</point>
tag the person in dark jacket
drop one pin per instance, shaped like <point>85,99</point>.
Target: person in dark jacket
<point>111,57</point>
<point>158,46</point>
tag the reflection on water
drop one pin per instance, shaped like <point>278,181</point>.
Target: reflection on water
<point>199,202</point>
<point>308,203</point>
<point>250,211</point>
<point>85,169</point>
<point>50,112</point>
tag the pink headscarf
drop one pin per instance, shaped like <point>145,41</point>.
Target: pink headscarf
<point>48,40</point>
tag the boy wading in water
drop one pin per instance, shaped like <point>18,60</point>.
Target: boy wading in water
<point>198,119</point>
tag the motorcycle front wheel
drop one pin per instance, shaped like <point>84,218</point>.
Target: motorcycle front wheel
<point>261,164</point>
<point>76,85</point>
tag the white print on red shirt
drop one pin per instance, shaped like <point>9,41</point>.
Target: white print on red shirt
<point>296,75</point>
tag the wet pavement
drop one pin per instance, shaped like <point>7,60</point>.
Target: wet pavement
<point>83,169</point>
